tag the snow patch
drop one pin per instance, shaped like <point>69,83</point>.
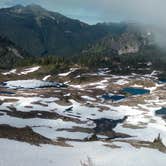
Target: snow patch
<point>30,84</point>
<point>46,77</point>
<point>29,70</point>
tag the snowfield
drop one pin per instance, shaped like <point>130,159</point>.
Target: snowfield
<point>25,155</point>
<point>43,124</point>
<point>31,84</point>
<point>23,72</point>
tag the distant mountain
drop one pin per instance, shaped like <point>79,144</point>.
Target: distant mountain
<point>42,32</point>
<point>130,41</point>
<point>9,53</point>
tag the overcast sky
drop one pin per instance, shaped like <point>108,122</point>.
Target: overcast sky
<point>93,11</point>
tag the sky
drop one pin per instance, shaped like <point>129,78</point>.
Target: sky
<point>93,11</point>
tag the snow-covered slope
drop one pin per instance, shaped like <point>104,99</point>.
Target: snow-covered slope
<point>31,84</point>
<point>63,121</point>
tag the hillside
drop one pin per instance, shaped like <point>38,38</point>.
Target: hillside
<point>44,33</point>
<point>41,32</point>
<point>9,53</point>
<point>130,40</point>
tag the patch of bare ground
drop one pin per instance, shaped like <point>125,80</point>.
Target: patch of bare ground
<point>161,94</point>
<point>71,76</point>
<point>131,126</point>
<point>110,135</point>
<point>112,146</point>
<point>27,135</point>
<point>38,114</point>
<point>45,92</point>
<point>1,114</point>
<point>103,127</point>
<point>133,101</point>
<point>64,102</point>
<point>114,87</point>
<point>4,78</point>
<point>30,107</point>
<point>77,129</point>
<point>155,144</point>
<point>143,82</point>
<point>39,103</point>
<point>90,105</point>
<point>92,92</point>
<point>75,96</point>
<point>9,101</point>
<point>86,79</point>
<point>152,121</point>
<point>103,108</point>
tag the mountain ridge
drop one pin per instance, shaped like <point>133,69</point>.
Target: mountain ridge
<point>45,32</point>
<point>10,53</point>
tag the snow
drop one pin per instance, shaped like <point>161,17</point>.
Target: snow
<point>67,73</point>
<point>24,72</point>
<point>88,98</point>
<point>46,77</point>
<point>29,70</point>
<point>98,85</point>
<point>143,115</point>
<point>140,115</point>
<point>13,71</point>
<point>30,84</point>
<point>121,82</point>
<point>53,134</point>
<point>48,155</point>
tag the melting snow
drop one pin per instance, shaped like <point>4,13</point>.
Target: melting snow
<point>46,77</point>
<point>13,71</point>
<point>67,73</point>
<point>29,70</point>
<point>30,84</point>
<point>24,72</point>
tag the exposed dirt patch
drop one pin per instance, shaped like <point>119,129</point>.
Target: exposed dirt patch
<point>39,103</point>
<point>144,83</point>
<point>156,144</point>
<point>39,114</point>
<point>133,126</point>
<point>25,134</point>
<point>78,129</point>
<point>112,146</point>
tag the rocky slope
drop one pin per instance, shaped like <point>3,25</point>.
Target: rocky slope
<point>9,53</point>
<point>42,32</point>
<point>130,41</point>
<point>63,125</point>
<point>50,33</point>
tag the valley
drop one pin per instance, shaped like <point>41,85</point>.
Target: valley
<point>77,94</point>
<point>84,118</point>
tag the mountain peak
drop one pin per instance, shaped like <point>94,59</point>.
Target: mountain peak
<point>32,8</point>
<point>35,7</point>
<point>18,6</point>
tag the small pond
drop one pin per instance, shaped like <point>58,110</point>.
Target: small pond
<point>161,112</point>
<point>136,91</point>
<point>162,81</point>
<point>113,97</point>
<point>6,93</point>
